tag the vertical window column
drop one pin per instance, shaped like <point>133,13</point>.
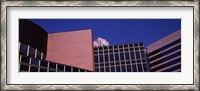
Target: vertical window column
<point>109,59</point>
<point>104,60</point>
<point>98,56</point>
<point>141,59</point>
<point>113,68</point>
<point>135,58</point>
<point>124,60</point>
<point>130,58</point>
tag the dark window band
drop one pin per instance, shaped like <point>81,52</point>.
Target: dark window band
<point>166,58</point>
<point>167,64</point>
<point>165,47</point>
<point>165,53</point>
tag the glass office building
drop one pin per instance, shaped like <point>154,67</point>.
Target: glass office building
<point>121,58</point>
<point>165,55</point>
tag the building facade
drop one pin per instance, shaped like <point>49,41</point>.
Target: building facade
<point>33,51</point>
<point>71,48</point>
<point>165,55</point>
<point>121,58</point>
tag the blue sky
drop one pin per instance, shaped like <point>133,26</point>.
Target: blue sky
<point>115,31</point>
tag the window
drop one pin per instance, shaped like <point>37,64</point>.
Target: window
<point>122,62</point>
<point>132,55</point>
<point>24,67</point>
<point>44,57</point>
<point>131,49</point>
<point>100,52</point>
<point>166,52</point>
<point>95,52</point>
<point>105,51</point>
<point>142,54</point>
<point>112,69</point>
<point>68,69</point>
<point>23,49</point>
<point>101,65</point>
<point>116,50</point>
<point>130,45</point>
<point>38,54</point>
<point>165,47</point>
<point>122,56</point>
<point>52,65</point>
<point>111,58</point>
<point>136,48</point>
<point>106,58</point>
<point>127,55</point>
<point>111,64</point>
<point>60,67</point>
<point>135,45</point>
<point>96,69</point>
<point>43,70</point>
<point>128,62</point>
<point>111,51</point>
<point>123,69</point>
<point>107,64</point>
<point>117,63</point>
<point>137,55</point>
<point>143,60</point>
<point>134,68</point>
<point>31,52</point>
<point>34,61</point>
<point>96,59</point>
<point>116,57</point>
<point>25,59</point>
<point>105,47</point>
<point>95,48</point>
<point>117,68</point>
<point>101,58</point>
<point>128,68</point>
<point>96,65</point>
<point>107,69</point>
<point>43,63</point>
<point>33,69</point>
<point>133,61</point>
<point>81,70</point>
<point>125,46</point>
<point>102,69</point>
<point>140,68</point>
<point>138,61</point>
<point>100,48</point>
<point>75,69</point>
<point>145,67</point>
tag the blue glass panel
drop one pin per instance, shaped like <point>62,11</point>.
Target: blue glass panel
<point>34,61</point>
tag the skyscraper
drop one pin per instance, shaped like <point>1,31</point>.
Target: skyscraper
<point>121,58</point>
<point>165,54</point>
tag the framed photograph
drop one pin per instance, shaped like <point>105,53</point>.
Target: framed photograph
<point>100,45</point>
